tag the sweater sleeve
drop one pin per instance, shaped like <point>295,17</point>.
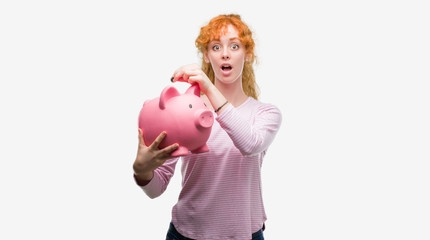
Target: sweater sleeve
<point>251,136</point>
<point>161,179</point>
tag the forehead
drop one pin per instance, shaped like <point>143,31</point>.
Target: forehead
<point>226,32</point>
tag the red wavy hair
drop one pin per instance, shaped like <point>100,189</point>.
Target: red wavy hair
<point>212,31</point>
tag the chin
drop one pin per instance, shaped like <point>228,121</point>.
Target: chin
<point>229,79</point>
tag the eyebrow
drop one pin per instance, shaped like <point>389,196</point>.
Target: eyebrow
<point>230,39</point>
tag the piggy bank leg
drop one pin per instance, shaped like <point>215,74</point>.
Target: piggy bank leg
<point>201,149</point>
<point>181,151</point>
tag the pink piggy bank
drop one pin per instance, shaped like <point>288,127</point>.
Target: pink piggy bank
<point>185,118</point>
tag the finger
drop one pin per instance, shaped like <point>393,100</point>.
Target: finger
<point>180,78</point>
<point>141,140</point>
<point>185,77</point>
<point>166,152</point>
<point>169,149</point>
<point>183,73</point>
<point>176,75</point>
<point>193,72</point>
<point>204,83</point>
<point>194,79</point>
<point>157,141</point>
<point>188,74</point>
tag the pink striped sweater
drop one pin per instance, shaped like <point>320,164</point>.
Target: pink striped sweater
<point>221,194</point>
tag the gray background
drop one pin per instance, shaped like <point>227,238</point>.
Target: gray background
<point>350,77</point>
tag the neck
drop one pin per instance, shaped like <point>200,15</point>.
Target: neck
<point>233,92</point>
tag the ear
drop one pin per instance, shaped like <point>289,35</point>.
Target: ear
<point>248,57</point>
<point>205,57</point>
<point>166,94</point>
<point>194,89</point>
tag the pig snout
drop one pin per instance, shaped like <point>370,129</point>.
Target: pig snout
<point>204,118</point>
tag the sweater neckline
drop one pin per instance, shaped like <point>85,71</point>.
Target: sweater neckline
<point>244,103</point>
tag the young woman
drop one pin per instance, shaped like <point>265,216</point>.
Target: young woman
<point>221,194</point>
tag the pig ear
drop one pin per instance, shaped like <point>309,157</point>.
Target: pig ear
<point>194,89</point>
<point>166,94</point>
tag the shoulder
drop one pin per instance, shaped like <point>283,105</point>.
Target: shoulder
<point>264,112</point>
<point>262,107</point>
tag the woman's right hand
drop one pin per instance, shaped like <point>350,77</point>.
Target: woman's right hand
<point>151,157</point>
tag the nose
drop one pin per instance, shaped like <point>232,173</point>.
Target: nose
<point>204,118</point>
<point>225,54</point>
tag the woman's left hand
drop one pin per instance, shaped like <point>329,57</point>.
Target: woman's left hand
<point>192,73</point>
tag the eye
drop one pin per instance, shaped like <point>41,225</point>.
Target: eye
<point>216,47</point>
<point>235,46</point>
<point>205,104</point>
<point>190,106</point>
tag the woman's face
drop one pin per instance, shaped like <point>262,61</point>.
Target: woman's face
<point>227,56</point>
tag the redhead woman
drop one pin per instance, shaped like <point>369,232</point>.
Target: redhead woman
<point>221,196</point>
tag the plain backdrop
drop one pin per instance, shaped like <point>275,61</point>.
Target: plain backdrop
<point>351,78</point>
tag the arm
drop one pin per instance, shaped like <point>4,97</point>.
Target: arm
<point>160,179</point>
<point>251,137</point>
<point>151,171</point>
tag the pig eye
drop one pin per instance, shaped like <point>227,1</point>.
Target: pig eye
<point>191,106</point>
<point>205,104</point>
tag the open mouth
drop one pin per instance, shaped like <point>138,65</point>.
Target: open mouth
<point>226,67</point>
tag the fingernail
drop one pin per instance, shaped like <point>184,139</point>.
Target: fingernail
<point>172,79</point>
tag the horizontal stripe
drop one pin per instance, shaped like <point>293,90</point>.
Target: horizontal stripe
<point>221,189</point>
